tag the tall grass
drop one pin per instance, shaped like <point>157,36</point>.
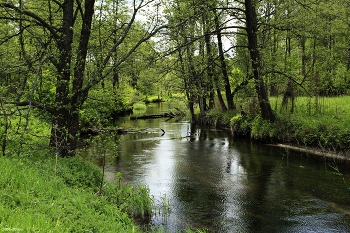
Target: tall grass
<point>320,122</point>
<point>331,110</point>
<point>34,199</point>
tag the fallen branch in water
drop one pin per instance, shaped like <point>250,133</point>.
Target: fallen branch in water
<point>316,151</point>
<point>123,131</point>
<point>151,116</point>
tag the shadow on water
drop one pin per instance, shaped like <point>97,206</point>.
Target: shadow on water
<point>223,184</point>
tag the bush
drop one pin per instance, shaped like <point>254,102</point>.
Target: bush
<point>240,125</point>
<point>267,131</point>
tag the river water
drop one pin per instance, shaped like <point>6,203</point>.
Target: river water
<point>223,184</point>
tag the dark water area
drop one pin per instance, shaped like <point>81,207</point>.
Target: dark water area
<point>223,184</point>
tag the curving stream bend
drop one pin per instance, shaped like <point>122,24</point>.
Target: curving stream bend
<point>224,184</point>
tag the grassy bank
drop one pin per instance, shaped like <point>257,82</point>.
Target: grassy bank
<point>315,122</point>
<point>43,194</point>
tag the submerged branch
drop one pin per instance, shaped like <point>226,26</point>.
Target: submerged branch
<point>151,116</point>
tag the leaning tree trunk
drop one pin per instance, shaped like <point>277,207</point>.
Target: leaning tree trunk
<point>229,97</point>
<point>252,29</point>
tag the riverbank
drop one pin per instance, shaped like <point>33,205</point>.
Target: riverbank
<point>46,194</point>
<point>321,127</point>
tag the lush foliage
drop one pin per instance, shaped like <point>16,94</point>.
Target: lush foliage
<point>77,62</point>
<point>216,54</point>
<point>218,118</point>
<point>21,134</point>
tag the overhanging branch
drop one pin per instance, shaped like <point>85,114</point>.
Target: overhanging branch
<point>36,104</point>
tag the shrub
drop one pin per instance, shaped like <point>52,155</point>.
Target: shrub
<point>240,125</point>
<point>219,118</point>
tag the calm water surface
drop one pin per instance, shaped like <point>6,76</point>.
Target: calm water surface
<point>222,184</point>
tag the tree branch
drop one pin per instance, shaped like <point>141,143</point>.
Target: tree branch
<point>7,38</point>
<point>289,77</point>
<point>36,104</point>
<point>40,21</point>
<point>96,81</point>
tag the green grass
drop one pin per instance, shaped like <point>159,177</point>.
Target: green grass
<point>139,106</point>
<point>322,122</point>
<point>219,118</point>
<point>317,122</point>
<point>331,110</point>
<point>34,197</point>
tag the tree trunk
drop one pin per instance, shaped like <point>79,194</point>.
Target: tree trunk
<point>60,119</point>
<point>303,57</point>
<point>252,29</point>
<point>65,122</point>
<point>229,97</point>
<point>212,76</point>
<point>348,62</point>
<point>192,81</point>
<point>79,98</point>
<point>210,69</point>
<point>288,94</point>
<point>186,87</point>
<point>289,91</point>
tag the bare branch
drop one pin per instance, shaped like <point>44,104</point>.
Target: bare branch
<point>231,8</point>
<point>58,3</point>
<point>300,84</point>
<point>40,21</point>
<point>36,104</point>
<point>7,38</point>
<point>95,81</point>
<point>122,38</point>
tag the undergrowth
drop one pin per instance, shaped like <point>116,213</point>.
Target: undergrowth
<point>219,118</point>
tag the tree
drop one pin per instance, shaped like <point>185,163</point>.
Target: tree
<point>67,27</point>
<point>252,30</point>
<point>223,66</point>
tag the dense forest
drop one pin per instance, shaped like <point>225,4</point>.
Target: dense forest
<point>68,64</point>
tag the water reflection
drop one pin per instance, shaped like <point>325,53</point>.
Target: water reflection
<point>221,184</point>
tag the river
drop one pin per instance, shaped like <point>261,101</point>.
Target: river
<point>223,184</point>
